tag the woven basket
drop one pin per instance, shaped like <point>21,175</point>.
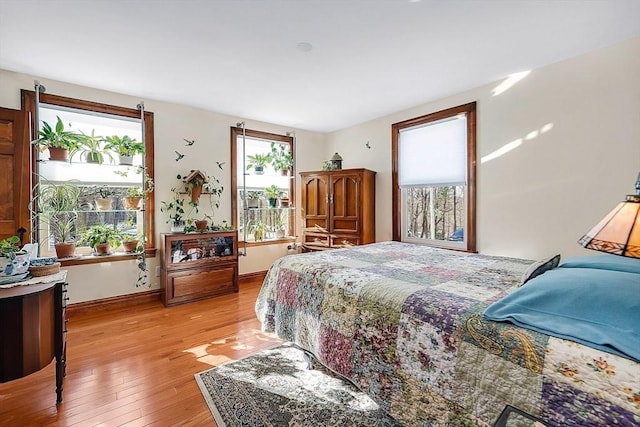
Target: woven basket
<point>44,270</point>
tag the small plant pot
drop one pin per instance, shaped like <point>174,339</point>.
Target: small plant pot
<point>284,172</point>
<point>253,203</point>
<point>273,203</point>
<point>284,203</point>
<point>58,154</point>
<point>201,225</point>
<point>104,204</point>
<point>177,227</point>
<point>259,170</point>
<point>65,250</point>
<point>132,202</point>
<point>93,158</point>
<point>102,249</point>
<point>130,246</point>
<point>125,160</point>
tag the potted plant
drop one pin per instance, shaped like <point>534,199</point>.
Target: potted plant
<point>272,192</point>
<point>258,162</point>
<point>57,207</point>
<point>125,147</point>
<point>281,158</point>
<point>13,260</point>
<point>101,238</point>
<point>134,194</point>
<point>201,224</point>
<point>57,140</point>
<point>130,242</point>
<point>103,196</point>
<point>253,199</point>
<point>90,148</point>
<point>258,229</point>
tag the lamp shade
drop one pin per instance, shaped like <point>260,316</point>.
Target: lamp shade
<point>619,232</point>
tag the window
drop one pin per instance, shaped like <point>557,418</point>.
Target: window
<point>95,170</point>
<point>263,179</point>
<point>434,178</point>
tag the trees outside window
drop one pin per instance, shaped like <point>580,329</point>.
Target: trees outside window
<point>434,178</point>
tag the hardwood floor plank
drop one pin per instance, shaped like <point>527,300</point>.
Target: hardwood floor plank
<point>135,366</point>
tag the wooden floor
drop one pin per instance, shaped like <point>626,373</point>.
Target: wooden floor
<point>135,366</point>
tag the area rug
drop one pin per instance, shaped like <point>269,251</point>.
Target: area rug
<point>275,388</point>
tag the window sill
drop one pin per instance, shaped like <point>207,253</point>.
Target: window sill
<point>269,242</point>
<point>91,259</point>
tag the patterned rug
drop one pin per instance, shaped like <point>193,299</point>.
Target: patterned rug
<point>274,388</point>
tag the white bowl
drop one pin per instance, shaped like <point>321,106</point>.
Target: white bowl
<point>19,265</point>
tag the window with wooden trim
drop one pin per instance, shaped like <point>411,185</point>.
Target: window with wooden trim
<point>95,168</point>
<point>263,182</point>
<point>434,168</point>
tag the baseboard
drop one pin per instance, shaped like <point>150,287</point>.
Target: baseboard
<point>252,278</point>
<point>124,301</point>
<point>120,301</point>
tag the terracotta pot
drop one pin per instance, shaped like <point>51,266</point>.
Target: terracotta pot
<point>65,250</point>
<point>58,154</point>
<point>130,246</point>
<point>102,249</point>
<point>132,202</point>
<point>196,191</point>
<point>201,225</point>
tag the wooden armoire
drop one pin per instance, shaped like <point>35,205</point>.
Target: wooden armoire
<point>338,208</point>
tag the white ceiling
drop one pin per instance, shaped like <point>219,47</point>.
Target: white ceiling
<point>241,57</point>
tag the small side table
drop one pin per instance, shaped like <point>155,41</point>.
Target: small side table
<point>32,315</point>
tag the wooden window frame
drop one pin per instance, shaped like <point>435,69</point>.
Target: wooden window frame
<point>468,109</point>
<point>29,106</point>
<point>235,133</point>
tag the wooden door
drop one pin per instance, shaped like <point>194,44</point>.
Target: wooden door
<point>14,179</point>
<point>345,202</point>
<point>315,200</point>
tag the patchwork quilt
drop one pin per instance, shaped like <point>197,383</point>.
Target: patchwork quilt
<point>404,323</point>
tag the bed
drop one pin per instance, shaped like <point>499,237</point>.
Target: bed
<point>407,325</point>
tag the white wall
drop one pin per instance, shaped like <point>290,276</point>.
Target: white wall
<point>172,124</point>
<point>541,197</point>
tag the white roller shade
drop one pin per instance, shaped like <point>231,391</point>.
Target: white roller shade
<point>433,153</point>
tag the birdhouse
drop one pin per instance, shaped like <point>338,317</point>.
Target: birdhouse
<point>336,161</point>
<point>196,180</point>
<point>196,177</point>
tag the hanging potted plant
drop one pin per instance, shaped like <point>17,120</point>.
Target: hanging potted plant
<point>281,159</point>
<point>125,147</point>
<point>101,238</point>
<point>258,162</point>
<point>57,140</point>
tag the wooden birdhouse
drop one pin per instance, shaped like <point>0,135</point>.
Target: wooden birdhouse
<point>196,179</point>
